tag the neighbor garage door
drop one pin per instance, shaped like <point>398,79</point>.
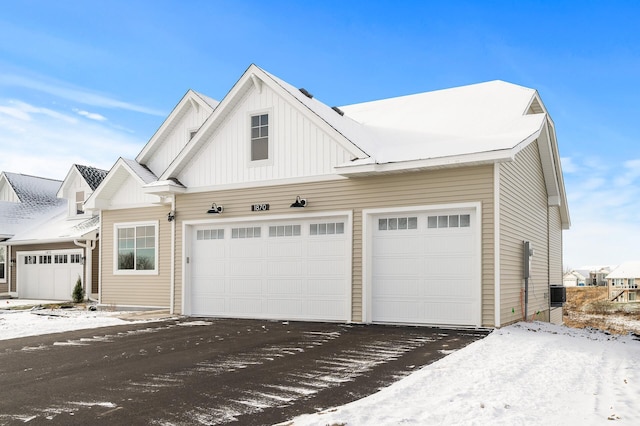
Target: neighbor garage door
<point>48,274</point>
<point>425,268</point>
<point>289,269</point>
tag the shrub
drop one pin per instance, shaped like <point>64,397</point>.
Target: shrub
<point>78,292</point>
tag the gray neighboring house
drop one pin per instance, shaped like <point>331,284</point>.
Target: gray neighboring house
<point>48,240</point>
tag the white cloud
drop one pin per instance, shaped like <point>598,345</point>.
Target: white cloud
<point>568,166</point>
<point>44,142</point>
<point>69,92</point>
<point>91,115</point>
<point>604,199</point>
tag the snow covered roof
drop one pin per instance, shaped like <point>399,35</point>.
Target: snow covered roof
<point>626,270</point>
<point>36,202</point>
<point>91,175</point>
<point>478,118</point>
<point>57,228</point>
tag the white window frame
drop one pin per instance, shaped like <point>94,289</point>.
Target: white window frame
<point>3,264</point>
<point>78,206</point>
<point>269,160</point>
<point>116,228</point>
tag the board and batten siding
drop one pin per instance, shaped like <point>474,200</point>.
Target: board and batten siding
<point>136,290</point>
<point>523,217</point>
<point>176,137</point>
<point>555,246</point>
<point>444,186</point>
<point>298,147</point>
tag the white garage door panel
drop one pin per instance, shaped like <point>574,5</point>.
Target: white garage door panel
<point>281,276</point>
<point>425,275</point>
<point>43,278</point>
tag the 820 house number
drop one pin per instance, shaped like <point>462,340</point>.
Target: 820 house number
<point>259,207</point>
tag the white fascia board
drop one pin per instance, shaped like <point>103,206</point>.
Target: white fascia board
<point>188,100</point>
<point>264,183</point>
<point>43,241</point>
<point>432,163</point>
<point>67,181</point>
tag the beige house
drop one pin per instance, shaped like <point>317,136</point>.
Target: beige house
<point>623,283</point>
<point>271,204</point>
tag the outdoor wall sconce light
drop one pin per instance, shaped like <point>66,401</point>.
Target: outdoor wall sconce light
<point>300,202</point>
<point>171,216</point>
<point>215,209</point>
<point>13,262</point>
<point>82,260</point>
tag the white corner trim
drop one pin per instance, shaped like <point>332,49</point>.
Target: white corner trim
<point>496,244</point>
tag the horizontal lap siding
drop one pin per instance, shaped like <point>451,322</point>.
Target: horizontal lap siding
<point>136,290</point>
<point>469,184</point>
<point>523,217</point>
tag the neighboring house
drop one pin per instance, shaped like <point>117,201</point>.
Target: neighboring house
<point>274,205</point>
<point>576,278</point>
<point>49,253</point>
<point>598,276</point>
<point>623,283</point>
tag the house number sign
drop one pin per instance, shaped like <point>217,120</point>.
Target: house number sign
<point>259,207</point>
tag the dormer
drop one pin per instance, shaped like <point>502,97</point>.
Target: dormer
<point>77,186</point>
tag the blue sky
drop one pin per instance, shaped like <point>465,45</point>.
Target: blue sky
<point>86,82</point>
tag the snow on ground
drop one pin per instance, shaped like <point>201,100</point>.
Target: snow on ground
<point>527,373</point>
<point>34,322</point>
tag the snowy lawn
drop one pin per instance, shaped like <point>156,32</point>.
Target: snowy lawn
<point>34,322</point>
<point>527,373</point>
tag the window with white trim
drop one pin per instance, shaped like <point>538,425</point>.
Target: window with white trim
<point>80,202</point>
<point>136,247</point>
<point>45,259</point>
<point>74,258</point>
<point>30,260</point>
<point>330,228</point>
<point>618,282</point>
<point>260,137</point>
<point>284,231</point>
<point>250,232</point>
<point>3,263</point>
<point>60,258</point>
<point>397,223</point>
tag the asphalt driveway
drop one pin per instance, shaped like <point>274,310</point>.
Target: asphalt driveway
<point>208,371</point>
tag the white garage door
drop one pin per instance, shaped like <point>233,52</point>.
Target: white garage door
<point>425,268</point>
<point>292,269</point>
<point>48,275</point>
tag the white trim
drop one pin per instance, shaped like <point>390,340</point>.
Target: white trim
<point>187,226</point>
<point>367,249</point>
<point>497,286</point>
<point>172,279</point>
<point>7,261</point>
<point>119,225</point>
<point>263,183</point>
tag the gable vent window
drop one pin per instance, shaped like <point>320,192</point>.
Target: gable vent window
<point>259,137</point>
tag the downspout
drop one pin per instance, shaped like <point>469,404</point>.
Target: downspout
<point>173,257</point>
<point>88,247</point>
